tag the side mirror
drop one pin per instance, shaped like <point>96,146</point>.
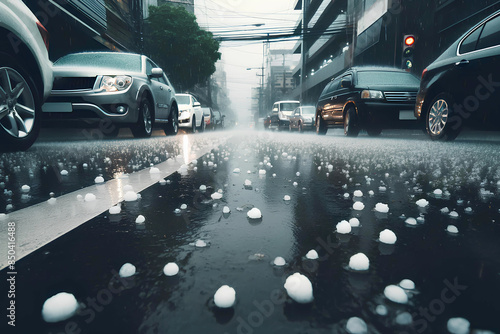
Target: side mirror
<point>197,105</point>
<point>346,83</point>
<point>156,72</point>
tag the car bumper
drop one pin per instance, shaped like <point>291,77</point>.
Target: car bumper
<point>93,104</point>
<point>386,114</point>
<point>185,120</point>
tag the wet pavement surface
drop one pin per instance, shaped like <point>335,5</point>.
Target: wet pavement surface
<point>455,274</point>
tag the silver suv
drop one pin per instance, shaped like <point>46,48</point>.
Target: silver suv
<point>25,75</point>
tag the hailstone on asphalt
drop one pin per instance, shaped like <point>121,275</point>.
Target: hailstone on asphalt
<point>458,326</point>
<point>140,219</point>
<point>254,214</point>
<point>359,262</point>
<point>59,307</point>
<point>127,270</point>
<point>356,325</point>
<point>299,288</point>
<point>99,179</point>
<point>171,269</point>
<point>312,255</point>
<point>422,203</point>
<point>396,294</point>
<point>279,261</point>
<point>225,297</point>
<point>382,208</point>
<point>387,237</point>
<point>358,206</point>
<point>343,227</point>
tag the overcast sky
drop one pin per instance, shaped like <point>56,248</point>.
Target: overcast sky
<point>239,16</point>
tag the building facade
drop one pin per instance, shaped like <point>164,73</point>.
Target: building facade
<point>338,34</point>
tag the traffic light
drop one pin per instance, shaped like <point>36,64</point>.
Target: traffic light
<point>408,49</point>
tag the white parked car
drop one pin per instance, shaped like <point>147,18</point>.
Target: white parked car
<point>190,113</point>
<point>25,75</point>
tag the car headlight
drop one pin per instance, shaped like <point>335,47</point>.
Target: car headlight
<point>372,94</point>
<point>115,83</point>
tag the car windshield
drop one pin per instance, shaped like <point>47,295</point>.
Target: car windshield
<point>308,110</point>
<point>117,60</point>
<point>182,99</point>
<point>288,107</point>
<point>386,78</point>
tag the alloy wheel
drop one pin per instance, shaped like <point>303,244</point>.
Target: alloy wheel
<point>438,117</point>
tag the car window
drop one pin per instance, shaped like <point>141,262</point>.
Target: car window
<point>289,106</point>
<point>162,80</point>
<point>297,112</point>
<point>334,85</point>
<point>122,61</point>
<point>149,67</point>
<point>384,78</point>
<point>183,99</point>
<point>469,44</point>
<point>490,36</point>
<point>308,110</point>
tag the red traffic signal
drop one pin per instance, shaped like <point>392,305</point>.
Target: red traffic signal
<point>409,40</point>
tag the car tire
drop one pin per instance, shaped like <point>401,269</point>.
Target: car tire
<point>193,125</point>
<point>350,127</point>
<point>439,115</point>
<point>321,127</point>
<point>374,131</point>
<point>203,125</point>
<point>144,126</point>
<point>172,128</point>
<point>29,119</point>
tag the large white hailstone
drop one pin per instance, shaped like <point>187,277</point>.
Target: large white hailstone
<point>411,221</point>
<point>371,193</point>
<point>140,219</point>
<point>422,202</point>
<point>358,193</point>
<point>445,210</point>
<point>127,270</point>
<point>404,319</point>
<point>114,210</point>
<point>64,172</point>
<point>236,170</point>
<point>330,168</point>
<point>154,170</point>
<point>254,214</point>
<point>200,243</point>
<point>203,187</point>
<point>130,196</point>
<point>262,172</point>
<point>162,182</point>
<point>346,195</point>
<point>171,269</point>
<point>59,307</point>
<point>99,179</point>
<point>453,214</point>
<point>298,173</point>
<point>299,288</point>
<point>295,184</point>
<point>286,198</point>
<point>356,325</point>
<point>248,183</point>
<point>224,297</point>
<point>438,192</point>
<point>359,262</point>
<point>343,227</point>
<point>387,237</point>
<point>279,261</point>
<point>396,294</point>
<point>312,255</point>
<point>226,209</point>
<point>382,189</point>
<point>407,284</point>
<point>452,229</point>
<point>25,188</point>
<point>354,222</point>
<point>458,326</point>
<point>184,206</point>
<point>358,206</point>
<point>216,195</point>
<point>381,207</point>
<point>90,197</point>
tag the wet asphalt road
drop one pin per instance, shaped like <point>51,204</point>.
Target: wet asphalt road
<point>456,275</point>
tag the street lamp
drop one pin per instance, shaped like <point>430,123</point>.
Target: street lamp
<point>261,93</point>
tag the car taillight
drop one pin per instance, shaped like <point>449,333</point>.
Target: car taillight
<point>423,73</point>
<point>44,33</point>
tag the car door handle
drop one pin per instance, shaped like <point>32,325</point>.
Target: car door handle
<point>161,87</point>
<point>461,63</point>
<point>169,89</point>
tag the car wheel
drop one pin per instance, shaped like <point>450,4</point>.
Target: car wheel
<point>438,119</point>
<point>144,126</point>
<point>203,125</point>
<point>321,127</point>
<point>193,125</point>
<point>20,114</point>
<point>374,131</point>
<point>350,127</point>
<point>172,127</point>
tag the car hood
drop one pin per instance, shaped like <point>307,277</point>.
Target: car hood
<point>73,71</point>
<point>184,106</point>
<point>394,88</point>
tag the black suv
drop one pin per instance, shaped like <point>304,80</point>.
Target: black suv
<point>463,84</point>
<point>370,98</point>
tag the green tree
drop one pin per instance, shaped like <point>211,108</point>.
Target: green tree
<point>175,41</point>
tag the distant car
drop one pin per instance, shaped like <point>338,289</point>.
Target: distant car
<point>190,113</point>
<point>219,120</point>
<point>462,85</point>
<point>208,117</point>
<point>25,75</point>
<point>303,118</point>
<point>125,89</point>
<point>280,113</point>
<point>370,98</point>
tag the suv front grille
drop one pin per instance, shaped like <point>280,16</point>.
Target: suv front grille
<point>74,83</point>
<point>400,96</point>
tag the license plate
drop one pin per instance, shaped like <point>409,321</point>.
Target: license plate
<point>57,107</point>
<point>407,115</point>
